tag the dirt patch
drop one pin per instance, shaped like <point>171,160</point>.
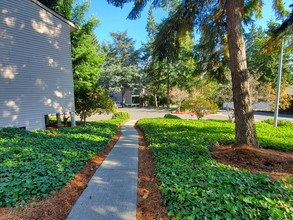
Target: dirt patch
<point>58,206</point>
<point>148,193</point>
<point>273,162</point>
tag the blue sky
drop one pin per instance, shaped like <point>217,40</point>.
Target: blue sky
<point>114,19</point>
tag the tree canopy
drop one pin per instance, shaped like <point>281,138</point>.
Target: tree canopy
<point>220,25</point>
<point>120,70</point>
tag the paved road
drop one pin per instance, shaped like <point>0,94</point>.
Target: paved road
<point>138,113</point>
<point>135,114</point>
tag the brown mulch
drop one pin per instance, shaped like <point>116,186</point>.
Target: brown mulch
<point>148,193</point>
<point>273,162</point>
<point>58,206</point>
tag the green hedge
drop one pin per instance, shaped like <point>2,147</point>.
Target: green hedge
<point>35,164</point>
<point>195,186</point>
<point>170,116</point>
<point>121,115</point>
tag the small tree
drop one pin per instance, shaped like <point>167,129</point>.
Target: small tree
<point>178,95</point>
<point>199,106</point>
<point>97,101</point>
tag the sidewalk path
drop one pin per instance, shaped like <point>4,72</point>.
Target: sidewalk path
<point>112,192</point>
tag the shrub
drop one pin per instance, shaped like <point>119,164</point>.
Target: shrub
<point>199,106</point>
<point>171,116</point>
<point>163,101</point>
<point>121,115</point>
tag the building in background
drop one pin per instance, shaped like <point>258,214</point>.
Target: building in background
<point>131,97</point>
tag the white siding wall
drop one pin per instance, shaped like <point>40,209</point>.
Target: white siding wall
<point>35,65</point>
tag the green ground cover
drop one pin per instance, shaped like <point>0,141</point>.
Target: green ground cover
<point>34,164</point>
<point>195,186</point>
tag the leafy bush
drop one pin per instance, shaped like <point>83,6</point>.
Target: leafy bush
<point>92,100</point>
<point>163,101</point>
<point>194,186</point>
<point>280,122</point>
<point>171,116</point>
<point>121,115</point>
<point>199,106</point>
<point>35,164</point>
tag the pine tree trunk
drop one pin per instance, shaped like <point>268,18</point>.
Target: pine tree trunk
<point>155,99</point>
<point>168,90</point>
<point>244,119</point>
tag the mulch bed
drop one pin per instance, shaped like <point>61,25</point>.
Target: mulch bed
<point>276,163</point>
<point>148,193</point>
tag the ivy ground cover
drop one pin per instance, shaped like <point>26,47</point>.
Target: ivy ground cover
<point>195,186</point>
<point>34,164</point>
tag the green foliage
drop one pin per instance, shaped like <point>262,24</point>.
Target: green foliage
<point>151,27</point>
<point>262,64</point>
<point>275,137</point>
<point>163,101</point>
<point>199,106</point>
<point>97,101</point>
<point>63,7</point>
<point>120,70</point>
<point>121,115</point>
<point>194,186</point>
<point>280,122</point>
<point>87,61</point>
<point>149,100</point>
<point>170,116</point>
<point>176,73</point>
<point>35,164</point>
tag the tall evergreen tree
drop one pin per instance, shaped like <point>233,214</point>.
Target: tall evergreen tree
<point>63,7</point>
<point>162,73</point>
<point>230,14</point>
<point>283,30</point>
<point>87,61</point>
<point>151,77</point>
<point>265,65</point>
<point>120,71</point>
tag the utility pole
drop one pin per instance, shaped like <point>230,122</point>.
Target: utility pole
<point>279,86</point>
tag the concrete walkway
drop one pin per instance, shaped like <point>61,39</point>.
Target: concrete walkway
<point>112,192</point>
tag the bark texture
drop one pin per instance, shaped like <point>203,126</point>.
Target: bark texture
<point>244,119</point>
<point>168,90</point>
